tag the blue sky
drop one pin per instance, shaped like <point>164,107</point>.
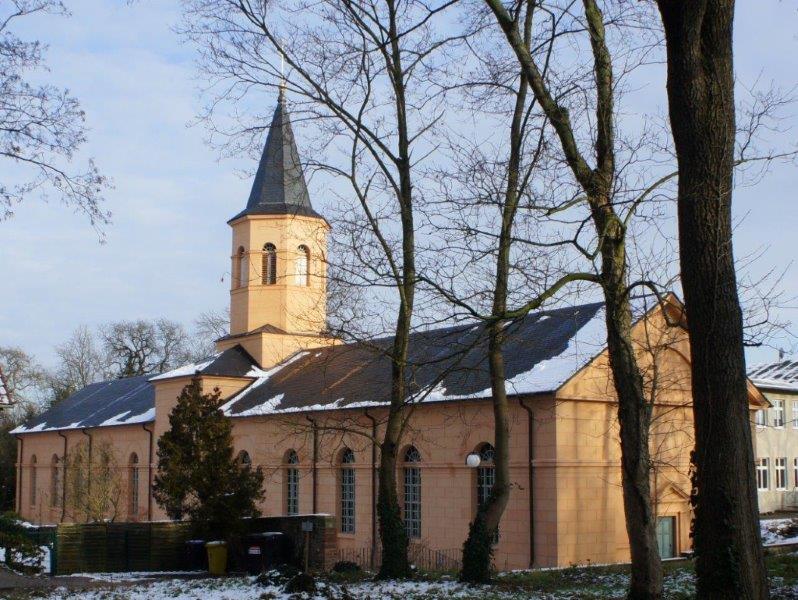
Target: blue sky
<point>168,246</point>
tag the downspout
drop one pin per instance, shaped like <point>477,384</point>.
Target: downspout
<point>315,462</point>
<point>63,476</point>
<point>88,469</point>
<point>530,456</point>
<point>20,447</point>
<point>149,473</point>
<point>373,485</point>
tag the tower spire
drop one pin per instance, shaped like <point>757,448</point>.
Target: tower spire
<point>279,186</point>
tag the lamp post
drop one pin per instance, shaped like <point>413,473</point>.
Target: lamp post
<point>473,460</point>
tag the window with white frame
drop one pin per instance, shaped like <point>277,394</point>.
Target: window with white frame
<point>347,492</point>
<point>760,418</point>
<point>794,414</point>
<point>762,474</point>
<point>302,274</point>
<point>781,473</point>
<point>778,413</point>
<point>412,504</point>
<point>795,472</point>
<point>292,483</point>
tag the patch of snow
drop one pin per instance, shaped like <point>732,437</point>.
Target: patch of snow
<point>186,370</point>
<point>779,531</point>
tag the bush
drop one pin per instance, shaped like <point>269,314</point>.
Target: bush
<point>21,553</point>
<point>301,583</point>
<point>346,566</point>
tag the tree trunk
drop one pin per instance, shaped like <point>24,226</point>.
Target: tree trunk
<point>634,419</point>
<point>729,559</point>
<point>394,562</point>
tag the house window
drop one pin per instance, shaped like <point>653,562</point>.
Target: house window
<point>302,266</point>
<point>412,493</point>
<point>794,414</point>
<point>269,267</point>
<point>762,468</point>
<point>55,483</point>
<point>778,413</point>
<point>760,418</point>
<point>347,492</point>
<point>795,471</point>
<point>33,480</point>
<point>781,473</point>
<point>291,483</point>
<point>486,478</point>
<point>240,270</point>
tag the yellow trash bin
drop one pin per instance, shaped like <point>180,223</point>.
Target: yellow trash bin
<point>217,557</point>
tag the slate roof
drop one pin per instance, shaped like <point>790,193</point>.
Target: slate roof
<point>279,187</point>
<point>542,351</point>
<point>780,375</point>
<point>131,400</point>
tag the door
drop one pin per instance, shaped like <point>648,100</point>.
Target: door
<point>666,536</point>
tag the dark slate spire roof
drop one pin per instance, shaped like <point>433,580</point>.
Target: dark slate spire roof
<point>279,187</point>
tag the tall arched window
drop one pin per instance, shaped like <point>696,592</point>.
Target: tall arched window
<point>55,482</point>
<point>269,267</point>
<point>244,459</point>
<point>33,480</point>
<point>134,485</point>
<point>241,271</point>
<point>291,483</point>
<point>302,275</point>
<point>486,478</point>
<point>347,492</point>
<point>412,495</point>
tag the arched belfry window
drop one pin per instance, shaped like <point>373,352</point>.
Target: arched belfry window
<point>269,267</point>
<point>291,483</point>
<point>241,272</point>
<point>134,485</point>
<point>302,275</point>
<point>412,492</point>
<point>347,491</point>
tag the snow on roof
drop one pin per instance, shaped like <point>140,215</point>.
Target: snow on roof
<point>780,375</point>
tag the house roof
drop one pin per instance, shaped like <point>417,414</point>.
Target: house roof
<point>781,375</point>
<point>541,352</point>
<point>279,187</point>
<point>131,400</point>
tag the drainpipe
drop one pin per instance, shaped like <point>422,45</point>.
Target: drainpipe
<point>88,467</point>
<point>20,447</point>
<point>149,473</point>
<point>530,457</point>
<point>315,462</point>
<point>63,476</point>
<point>373,485</point>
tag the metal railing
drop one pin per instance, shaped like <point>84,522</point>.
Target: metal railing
<point>422,557</point>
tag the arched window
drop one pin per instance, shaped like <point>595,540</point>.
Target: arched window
<point>347,492</point>
<point>244,459</point>
<point>241,272</point>
<point>412,495</point>
<point>134,485</point>
<point>302,275</point>
<point>269,267</point>
<point>33,480</point>
<point>291,483</point>
<point>486,478</point>
<point>55,482</point>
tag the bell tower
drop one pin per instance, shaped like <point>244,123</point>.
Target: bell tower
<point>278,289</point>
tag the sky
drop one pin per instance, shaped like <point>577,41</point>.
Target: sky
<point>167,251</point>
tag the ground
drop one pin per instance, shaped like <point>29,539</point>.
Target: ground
<point>561,584</point>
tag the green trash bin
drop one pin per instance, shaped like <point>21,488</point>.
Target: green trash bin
<point>217,557</point>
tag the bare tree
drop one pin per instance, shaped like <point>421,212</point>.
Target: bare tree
<point>730,562</point>
<point>144,347</point>
<point>41,127</point>
<point>360,74</point>
<point>93,482</point>
<point>80,363</point>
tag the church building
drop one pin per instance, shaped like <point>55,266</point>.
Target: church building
<point>307,407</point>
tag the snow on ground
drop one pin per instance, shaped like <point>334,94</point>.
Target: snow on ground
<point>779,531</point>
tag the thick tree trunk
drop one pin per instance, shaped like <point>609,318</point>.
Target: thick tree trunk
<point>729,559</point>
<point>394,562</point>
<point>634,417</point>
